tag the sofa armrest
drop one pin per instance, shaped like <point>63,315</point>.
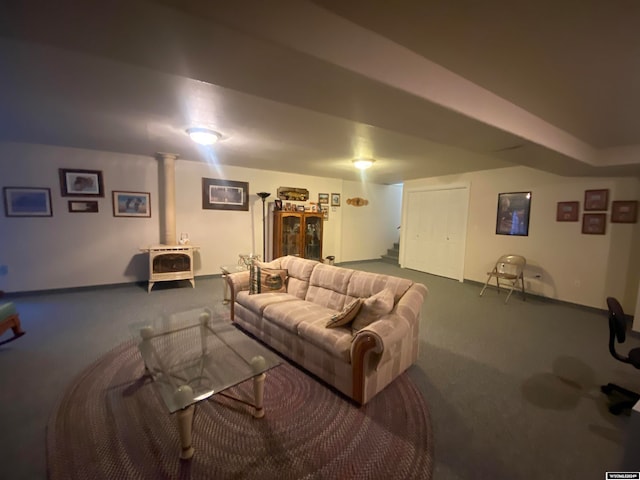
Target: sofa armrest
<point>383,340</point>
<point>403,322</point>
<point>237,282</point>
<point>386,332</point>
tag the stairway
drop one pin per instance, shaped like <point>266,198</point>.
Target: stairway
<point>392,255</point>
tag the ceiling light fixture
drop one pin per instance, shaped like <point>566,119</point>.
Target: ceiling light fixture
<point>203,136</point>
<point>363,163</point>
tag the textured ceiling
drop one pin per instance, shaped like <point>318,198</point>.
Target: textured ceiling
<point>426,88</point>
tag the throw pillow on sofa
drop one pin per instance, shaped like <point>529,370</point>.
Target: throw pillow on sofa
<point>272,264</point>
<point>264,280</point>
<point>373,308</point>
<point>347,314</point>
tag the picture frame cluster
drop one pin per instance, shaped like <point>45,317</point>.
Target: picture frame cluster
<point>596,206</point>
<point>84,187</point>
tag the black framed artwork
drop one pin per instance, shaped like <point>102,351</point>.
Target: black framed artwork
<point>513,213</point>
<point>81,183</point>
<point>220,194</point>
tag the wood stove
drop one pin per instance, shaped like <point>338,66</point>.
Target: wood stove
<point>170,262</point>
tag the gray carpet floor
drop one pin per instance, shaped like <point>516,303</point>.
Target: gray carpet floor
<point>513,390</point>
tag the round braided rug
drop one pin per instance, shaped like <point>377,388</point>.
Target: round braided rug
<point>111,424</point>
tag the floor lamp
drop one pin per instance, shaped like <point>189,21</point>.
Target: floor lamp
<point>263,196</point>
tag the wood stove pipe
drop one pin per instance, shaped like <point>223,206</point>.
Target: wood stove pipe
<point>167,174</point>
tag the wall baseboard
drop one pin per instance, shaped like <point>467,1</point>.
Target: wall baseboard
<point>107,286</point>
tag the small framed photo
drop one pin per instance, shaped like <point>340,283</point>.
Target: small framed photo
<point>81,183</point>
<point>567,211</point>
<point>596,199</point>
<point>225,195</point>
<point>594,223</point>
<point>83,206</point>
<point>131,204</point>
<point>323,198</point>
<point>325,214</point>
<point>335,199</point>
<point>624,211</point>
<point>278,204</point>
<point>27,202</point>
<point>300,208</point>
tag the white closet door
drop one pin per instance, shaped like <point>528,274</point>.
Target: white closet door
<point>436,231</point>
<point>415,232</point>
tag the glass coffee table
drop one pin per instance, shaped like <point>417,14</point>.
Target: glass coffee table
<point>194,355</point>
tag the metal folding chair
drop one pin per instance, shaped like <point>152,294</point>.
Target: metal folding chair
<point>508,271</point>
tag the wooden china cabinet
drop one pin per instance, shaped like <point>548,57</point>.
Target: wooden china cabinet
<point>297,233</point>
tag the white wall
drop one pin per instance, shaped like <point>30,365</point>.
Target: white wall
<point>368,231</point>
<point>82,249</point>
<point>74,249</point>
<point>221,234</point>
<point>574,267</point>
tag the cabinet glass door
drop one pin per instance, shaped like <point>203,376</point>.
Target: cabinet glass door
<point>291,226</point>
<point>313,238</point>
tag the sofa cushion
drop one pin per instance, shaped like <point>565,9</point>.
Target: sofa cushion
<point>272,264</point>
<point>328,286</point>
<point>263,280</point>
<point>257,303</point>
<point>365,284</point>
<point>347,314</point>
<point>334,341</point>
<point>300,270</point>
<point>373,308</point>
<point>289,314</point>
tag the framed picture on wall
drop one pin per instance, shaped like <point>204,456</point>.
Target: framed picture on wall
<point>83,206</point>
<point>323,198</point>
<point>131,204</point>
<point>594,223</point>
<point>624,211</point>
<point>335,199</point>
<point>596,199</point>
<point>567,211</point>
<point>513,213</point>
<point>225,195</point>
<point>27,202</point>
<point>81,183</point>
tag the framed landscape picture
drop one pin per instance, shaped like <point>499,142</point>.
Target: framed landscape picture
<point>81,183</point>
<point>567,211</point>
<point>513,213</point>
<point>225,195</point>
<point>323,198</point>
<point>131,204</point>
<point>27,202</point>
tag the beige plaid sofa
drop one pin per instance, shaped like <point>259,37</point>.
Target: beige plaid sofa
<point>360,365</point>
